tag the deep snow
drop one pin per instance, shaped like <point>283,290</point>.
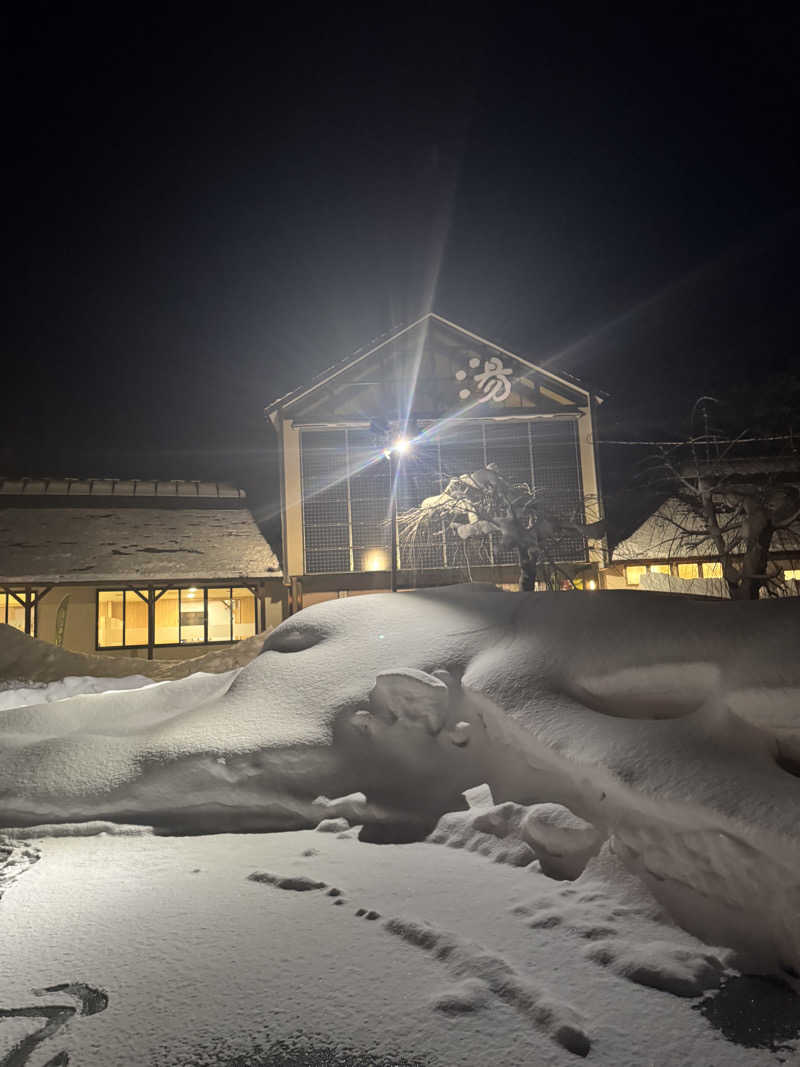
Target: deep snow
<point>669,724</point>
<point>655,739</point>
<point>411,954</point>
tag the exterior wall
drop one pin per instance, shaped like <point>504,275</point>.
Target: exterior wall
<point>591,480</point>
<point>79,632</point>
<point>292,487</point>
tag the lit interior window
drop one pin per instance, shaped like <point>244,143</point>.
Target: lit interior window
<point>712,570</point>
<point>187,616</point>
<point>659,568</point>
<point>16,614</point>
<point>167,632</point>
<point>687,570</point>
<point>792,575</point>
<point>244,614</point>
<point>192,616</point>
<point>220,614</point>
<point>111,619</point>
<point>633,575</point>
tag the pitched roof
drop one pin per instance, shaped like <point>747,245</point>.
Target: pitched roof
<point>660,537</point>
<point>136,544</point>
<point>378,343</point>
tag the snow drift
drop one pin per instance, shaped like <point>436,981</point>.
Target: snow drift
<point>670,725</point>
<point>27,659</point>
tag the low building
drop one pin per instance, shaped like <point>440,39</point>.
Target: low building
<point>463,402</point>
<point>155,568</point>
<point>663,556</point>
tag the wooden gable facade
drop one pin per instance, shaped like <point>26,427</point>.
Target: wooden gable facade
<point>464,402</point>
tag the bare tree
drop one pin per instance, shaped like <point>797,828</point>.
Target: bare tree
<point>483,504</point>
<point>727,503</point>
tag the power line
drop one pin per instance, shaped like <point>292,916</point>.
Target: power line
<point>709,440</point>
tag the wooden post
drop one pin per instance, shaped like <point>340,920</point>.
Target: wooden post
<point>151,621</point>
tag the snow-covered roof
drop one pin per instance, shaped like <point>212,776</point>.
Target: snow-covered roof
<point>97,544</point>
<point>660,537</point>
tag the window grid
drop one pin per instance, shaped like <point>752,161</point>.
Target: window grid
<point>346,492</point>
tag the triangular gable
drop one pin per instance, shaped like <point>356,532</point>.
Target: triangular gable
<point>432,369</point>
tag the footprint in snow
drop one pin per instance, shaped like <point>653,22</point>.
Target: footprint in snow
<point>682,967</point>
<point>478,973</point>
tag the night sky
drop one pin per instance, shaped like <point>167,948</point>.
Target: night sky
<point>202,215</point>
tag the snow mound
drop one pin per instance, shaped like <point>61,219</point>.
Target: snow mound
<point>511,833</point>
<point>668,724</point>
<point>47,692</point>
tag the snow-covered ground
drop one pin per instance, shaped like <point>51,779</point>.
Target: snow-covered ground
<point>204,949</point>
<point>655,738</point>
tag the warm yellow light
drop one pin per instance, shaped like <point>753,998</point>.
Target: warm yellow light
<point>376,560</point>
<point>591,584</point>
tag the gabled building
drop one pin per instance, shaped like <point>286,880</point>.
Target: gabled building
<point>461,401</point>
<point>150,568</point>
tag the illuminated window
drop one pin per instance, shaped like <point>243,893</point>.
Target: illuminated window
<point>659,568</point>
<point>121,618</point>
<point>687,570</point>
<point>167,629</point>
<point>792,576</point>
<point>244,614</point>
<point>189,615</point>
<point>12,611</point>
<point>712,570</point>
<point>633,575</point>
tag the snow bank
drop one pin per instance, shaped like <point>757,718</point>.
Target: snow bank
<point>27,659</point>
<point>47,692</point>
<point>670,725</point>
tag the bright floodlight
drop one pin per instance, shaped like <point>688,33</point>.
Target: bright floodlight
<point>401,445</point>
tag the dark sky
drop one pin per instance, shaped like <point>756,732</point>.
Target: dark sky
<point>201,215</point>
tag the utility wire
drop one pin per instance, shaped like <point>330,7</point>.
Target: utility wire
<point>710,440</point>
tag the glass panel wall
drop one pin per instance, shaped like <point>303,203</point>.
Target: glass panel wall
<point>346,490</point>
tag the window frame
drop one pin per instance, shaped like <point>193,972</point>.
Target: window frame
<point>172,644</point>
